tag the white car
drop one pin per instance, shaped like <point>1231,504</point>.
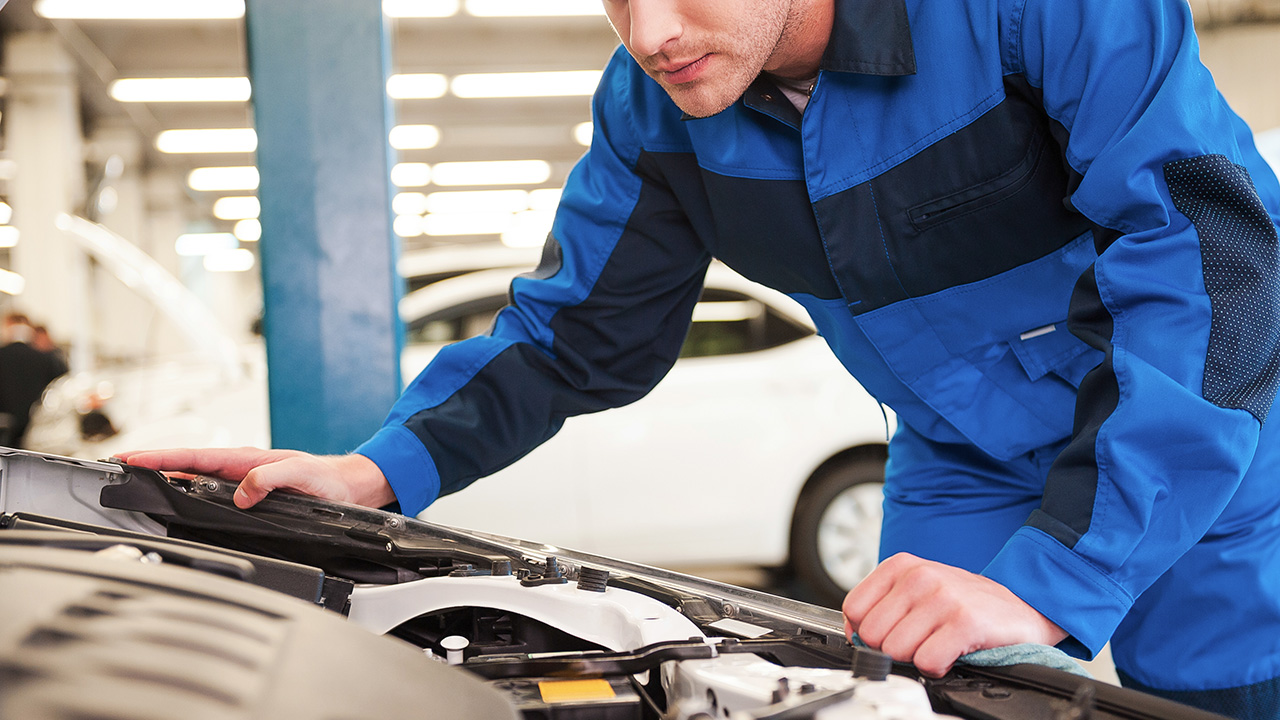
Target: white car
<point>757,449</point>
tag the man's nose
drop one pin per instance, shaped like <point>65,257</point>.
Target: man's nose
<point>654,23</point>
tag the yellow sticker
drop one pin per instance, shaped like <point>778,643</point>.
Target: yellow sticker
<point>554,691</point>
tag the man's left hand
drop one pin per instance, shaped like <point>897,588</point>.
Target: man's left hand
<point>929,614</point>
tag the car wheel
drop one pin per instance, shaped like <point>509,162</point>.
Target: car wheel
<point>835,534</point>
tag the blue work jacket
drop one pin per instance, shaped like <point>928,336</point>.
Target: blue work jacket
<point>1014,221</point>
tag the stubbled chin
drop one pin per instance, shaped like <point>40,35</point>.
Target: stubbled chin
<point>698,103</point>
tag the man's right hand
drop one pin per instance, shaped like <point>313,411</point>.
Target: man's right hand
<point>345,478</point>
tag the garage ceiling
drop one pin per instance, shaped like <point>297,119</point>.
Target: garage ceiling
<point>470,129</point>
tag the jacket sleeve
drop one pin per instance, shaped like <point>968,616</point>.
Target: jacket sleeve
<point>597,325</point>
<point>1184,300</point>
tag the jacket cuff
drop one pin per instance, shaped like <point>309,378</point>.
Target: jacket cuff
<point>1063,587</point>
<point>407,466</point>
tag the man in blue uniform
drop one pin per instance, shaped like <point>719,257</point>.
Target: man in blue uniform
<point>1032,227</point>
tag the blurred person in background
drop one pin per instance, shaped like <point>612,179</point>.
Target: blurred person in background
<point>42,341</point>
<point>25,371</point>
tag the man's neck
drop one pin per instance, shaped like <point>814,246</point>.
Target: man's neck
<point>804,40</point>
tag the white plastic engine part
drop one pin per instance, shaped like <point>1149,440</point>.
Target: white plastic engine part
<point>733,684</point>
<point>617,619</point>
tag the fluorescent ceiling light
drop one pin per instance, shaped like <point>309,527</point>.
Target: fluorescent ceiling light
<point>545,199</point>
<point>534,8</point>
<point>582,133</point>
<point>407,226</point>
<point>6,213</point>
<point>415,86</point>
<point>212,179</point>
<point>526,84</point>
<point>419,8</point>
<point>201,244</point>
<point>411,174</point>
<point>140,9</point>
<point>500,172</point>
<point>467,223</point>
<point>236,260</point>
<point>409,203</point>
<point>213,140</point>
<point>414,137</point>
<point>236,208</point>
<point>529,229</point>
<point>203,89</point>
<point>12,283</point>
<point>477,201</point>
<point>8,236</point>
<point>248,230</point>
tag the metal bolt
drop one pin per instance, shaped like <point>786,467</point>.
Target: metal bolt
<point>728,610</point>
<point>782,691</point>
<point>209,485</point>
<point>394,523</point>
<point>996,693</point>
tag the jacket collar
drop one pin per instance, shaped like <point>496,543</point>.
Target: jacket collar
<point>871,37</point>
<point>868,37</point>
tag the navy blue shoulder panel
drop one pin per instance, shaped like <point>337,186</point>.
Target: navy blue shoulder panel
<point>1241,275</point>
<point>761,228</point>
<point>608,350</point>
<point>988,198</point>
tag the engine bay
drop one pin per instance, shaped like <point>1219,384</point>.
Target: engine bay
<point>131,595</point>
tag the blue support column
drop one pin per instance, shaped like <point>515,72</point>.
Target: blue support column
<point>319,71</point>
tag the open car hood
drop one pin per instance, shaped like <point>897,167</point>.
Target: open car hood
<point>487,626</point>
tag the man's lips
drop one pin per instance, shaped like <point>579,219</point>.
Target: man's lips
<point>678,73</point>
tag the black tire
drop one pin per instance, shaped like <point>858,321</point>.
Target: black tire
<point>861,475</point>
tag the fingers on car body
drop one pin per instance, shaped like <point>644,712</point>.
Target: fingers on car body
<point>344,478</point>
<point>257,470</point>
<point>307,474</point>
<point>225,463</point>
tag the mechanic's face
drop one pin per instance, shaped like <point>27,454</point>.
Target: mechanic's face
<point>705,53</point>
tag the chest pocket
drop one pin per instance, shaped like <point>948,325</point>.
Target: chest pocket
<point>984,200</point>
<point>984,194</point>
